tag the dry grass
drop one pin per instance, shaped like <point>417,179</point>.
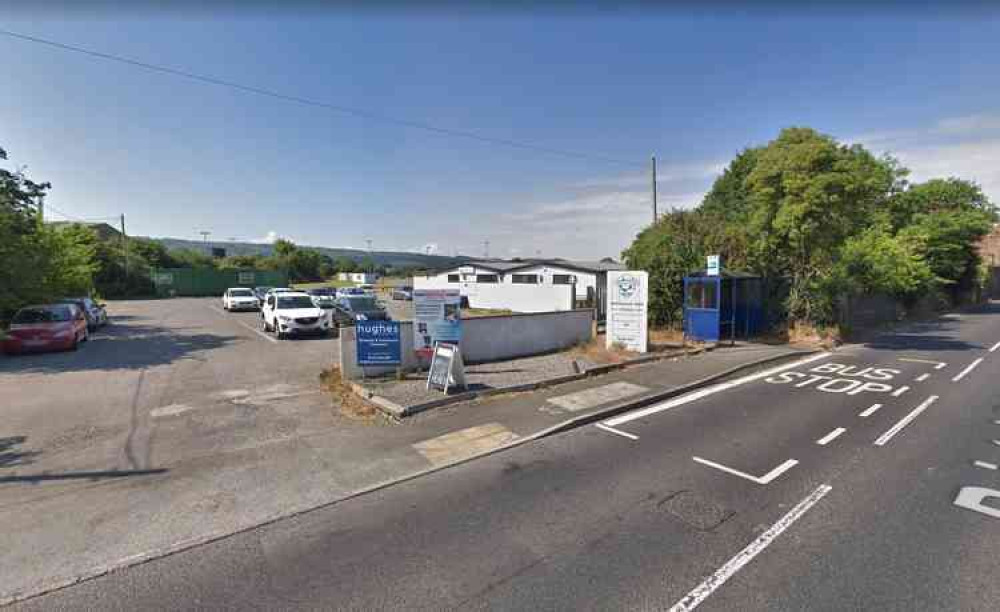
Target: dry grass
<point>471,313</point>
<point>806,335</point>
<point>595,351</point>
<point>661,339</point>
<point>347,401</point>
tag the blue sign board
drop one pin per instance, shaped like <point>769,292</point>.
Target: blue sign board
<point>378,343</point>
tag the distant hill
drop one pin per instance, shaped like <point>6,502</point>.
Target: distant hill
<point>395,259</point>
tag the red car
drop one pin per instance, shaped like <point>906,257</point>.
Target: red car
<point>45,328</point>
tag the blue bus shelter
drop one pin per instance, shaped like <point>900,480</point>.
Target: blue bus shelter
<point>722,307</point>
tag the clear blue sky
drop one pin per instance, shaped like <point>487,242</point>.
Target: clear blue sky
<point>178,156</point>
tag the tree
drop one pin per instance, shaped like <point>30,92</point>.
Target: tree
<point>808,194</point>
<point>669,249</point>
<point>345,264</point>
<point>40,263</point>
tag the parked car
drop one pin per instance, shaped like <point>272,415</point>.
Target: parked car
<point>46,327</point>
<point>358,308</point>
<point>261,292</point>
<point>292,313</point>
<point>239,298</point>
<point>96,314</point>
<point>402,293</point>
<point>324,297</point>
<point>349,291</point>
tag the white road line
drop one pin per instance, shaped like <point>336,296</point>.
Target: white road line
<point>900,391</point>
<point>985,465</point>
<point>830,437</point>
<point>937,364</point>
<point>895,429</point>
<point>617,431</point>
<point>967,369</point>
<point>701,592</point>
<point>250,327</point>
<point>763,480</point>
<point>922,377</point>
<point>690,397</point>
<point>870,411</point>
<point>995,347</point>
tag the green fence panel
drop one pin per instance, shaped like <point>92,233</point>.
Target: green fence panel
<point>211,282</point>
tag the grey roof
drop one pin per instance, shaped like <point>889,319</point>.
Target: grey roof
<point>505,265</point>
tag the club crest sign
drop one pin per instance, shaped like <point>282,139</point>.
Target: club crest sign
<point>627,286</point>
<point>627,304</point>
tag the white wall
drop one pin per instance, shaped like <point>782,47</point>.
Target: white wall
<point>516,298</point>
<point>583,279</point>
<point>363,278</point>
<point>522,298</point>
<point>485,339</point>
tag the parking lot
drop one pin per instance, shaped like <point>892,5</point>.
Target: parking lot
<point>205,380</point>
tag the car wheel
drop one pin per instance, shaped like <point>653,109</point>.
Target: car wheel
<point>280,335</point>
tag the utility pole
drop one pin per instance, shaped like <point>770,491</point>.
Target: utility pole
<point>125,246</point>
<point>653,159</point>
<point>204,235</point>
<point>371,260</point>
<point>486,249</point>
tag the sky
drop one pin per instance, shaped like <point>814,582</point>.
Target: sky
<point>605,89</point>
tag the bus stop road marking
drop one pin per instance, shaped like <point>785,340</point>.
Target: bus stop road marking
<point>762,480</point>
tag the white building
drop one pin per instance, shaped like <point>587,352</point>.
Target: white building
<point>360,278</point>
<point>535,285</point>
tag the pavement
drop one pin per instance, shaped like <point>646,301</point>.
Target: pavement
<point>861,479</point>
<point>181,423</point>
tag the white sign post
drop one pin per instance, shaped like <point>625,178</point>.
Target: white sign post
<point>627,310</point>
<point>712,265</point>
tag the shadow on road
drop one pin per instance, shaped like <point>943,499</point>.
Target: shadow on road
<point>91,476</point>
<point>128,347</point>
<point>11,456</point>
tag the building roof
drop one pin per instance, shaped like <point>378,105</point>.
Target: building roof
<point>507,265</point>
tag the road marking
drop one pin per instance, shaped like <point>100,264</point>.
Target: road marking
<point>985,465</point>
<point>922,377</point>
<point>937,364</point>
<point>971,498</point>
<point>690,397</point>
<point>995,347</point>
<point>900,391</point>
<point>617,431</point>
<point>250,327</point>
<point>968,369</point>
<point>895,429</point>
<point>727,571</point>
<point>763,480</point>
<point>870,411</point>
<point>830,437</point>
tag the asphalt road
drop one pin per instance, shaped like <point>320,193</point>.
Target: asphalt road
<point>848,482</point>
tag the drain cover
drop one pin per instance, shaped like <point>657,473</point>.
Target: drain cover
<point>695,511</point>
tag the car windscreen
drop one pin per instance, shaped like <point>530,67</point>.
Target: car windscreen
<point>241,293</point>
<point>361,303</point>
<point>294,301</point>
<point>55,314</point>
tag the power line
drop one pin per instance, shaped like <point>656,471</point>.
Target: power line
<point>317,103</point>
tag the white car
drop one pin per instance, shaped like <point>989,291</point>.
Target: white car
<point>293,313</point>
<point>240,298</point>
